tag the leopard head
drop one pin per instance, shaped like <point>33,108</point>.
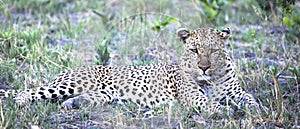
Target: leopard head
<point>204,52</point>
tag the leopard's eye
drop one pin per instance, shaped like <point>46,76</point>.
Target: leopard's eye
<point>194,50</point>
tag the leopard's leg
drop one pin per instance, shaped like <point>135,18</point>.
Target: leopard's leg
<point>240,97</point>
<point>243,100</point>
<point>248,100</point>
<point>195,97</point>
<point>89,98</point>
<point>206,106</point>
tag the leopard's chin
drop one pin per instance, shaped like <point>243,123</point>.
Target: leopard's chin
<point>203,78</point>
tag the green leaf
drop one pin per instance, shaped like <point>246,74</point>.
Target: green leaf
<point>295,70</point>
<point>296,19</point>
<point>173,19</point>
<point>210,12</point>
<point>163,23</point>
<point>286,21</point>
<point>272,69</point>
<point>215,5</point>
<point>166,20</point>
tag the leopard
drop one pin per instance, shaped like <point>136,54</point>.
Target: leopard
<point>204,78</point>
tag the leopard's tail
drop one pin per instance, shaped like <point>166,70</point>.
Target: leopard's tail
<point>7,93</point>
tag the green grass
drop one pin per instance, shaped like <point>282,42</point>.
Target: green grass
<point>40,38</point>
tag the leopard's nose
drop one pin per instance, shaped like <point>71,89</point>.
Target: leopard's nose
<point>204,68</point>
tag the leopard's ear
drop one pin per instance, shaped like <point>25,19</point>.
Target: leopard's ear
<point>225,33</point>
<point>183,34</point>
